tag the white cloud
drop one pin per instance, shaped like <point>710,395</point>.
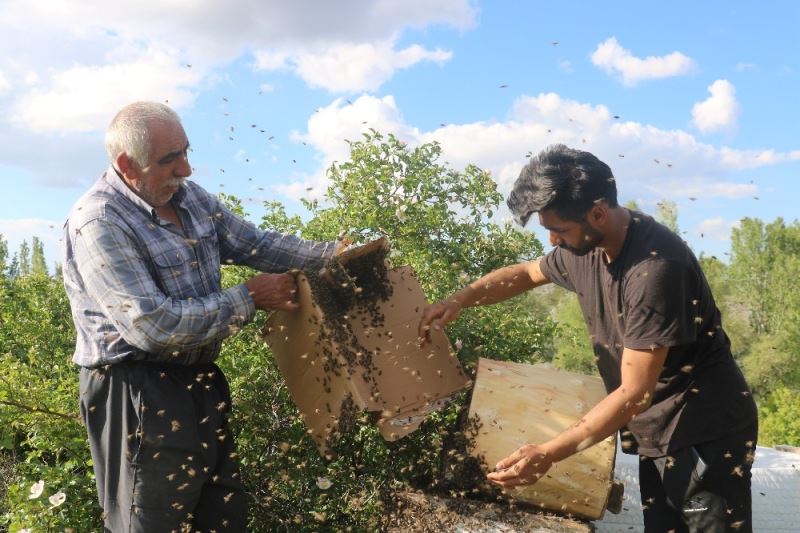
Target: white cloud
<point>81,60</point>
<point>745,159</point>
<point>702,189</point>
<point>30,78</point>
<point>84,98</point>
<point>565,66</point>
<point>5,85</point>
<point>331,125</point>
<point>271,59</point>
<point>349,67</point>
<point>611,57</point>
<point>266,88</point>
<point>329,129</point>
<point>719,111</point>
<point>54,160</point>
<point>744,67</point>
<point>656,163</point>
<point>212,30</point>
<point>716,228</point>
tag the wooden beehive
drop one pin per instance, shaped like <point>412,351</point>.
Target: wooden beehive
<point>517,404</point>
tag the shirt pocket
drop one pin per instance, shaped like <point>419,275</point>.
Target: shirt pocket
<point>174,275</point>
<point>207,259</point>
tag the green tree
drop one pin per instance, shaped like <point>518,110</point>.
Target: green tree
<point>735,314</point>
<point>38,262</point>
<point>780,418</point>
<point>764,270</point>
<point>41,437</point>
<point>24,259</point>
<point>3,256</point>
<point>667,214</point>
<point>771,361</point>
<point>573,347</point>
<point>765,264</point>
<point>716,273</point>
<point>438,221</point>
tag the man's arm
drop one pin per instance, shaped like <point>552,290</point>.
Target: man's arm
<point>242,243</point>
<point>496,286</point>
<point>640,371</point>
<point>278,291</point>
<point>116,279</point>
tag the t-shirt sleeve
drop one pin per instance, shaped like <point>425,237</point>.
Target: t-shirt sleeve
<point>554,266</point>
<point>658,306</point>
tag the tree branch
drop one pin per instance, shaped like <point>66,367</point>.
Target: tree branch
<point>34,409</point>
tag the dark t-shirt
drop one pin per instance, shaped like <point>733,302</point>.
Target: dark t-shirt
<point>654,294</point>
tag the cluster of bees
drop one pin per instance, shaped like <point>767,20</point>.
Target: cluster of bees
<point>343,293</point>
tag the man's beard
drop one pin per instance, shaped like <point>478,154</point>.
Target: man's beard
<point>592,238</point>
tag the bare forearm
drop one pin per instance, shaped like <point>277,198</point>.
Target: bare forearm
<point>640,370</point>
<point>605,418</point>
<point>495,286</point>
<point>530,462</point>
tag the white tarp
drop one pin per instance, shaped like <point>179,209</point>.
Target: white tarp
<point>775,489</point>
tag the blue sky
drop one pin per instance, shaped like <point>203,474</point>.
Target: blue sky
<point>694,102</point>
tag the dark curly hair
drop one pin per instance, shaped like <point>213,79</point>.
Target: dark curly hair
<point>566,180</point>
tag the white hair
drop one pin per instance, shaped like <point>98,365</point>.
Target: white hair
<point>129,131</point>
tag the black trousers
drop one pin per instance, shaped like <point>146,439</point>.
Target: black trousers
<point>164,459</point>
<point>703,488</point>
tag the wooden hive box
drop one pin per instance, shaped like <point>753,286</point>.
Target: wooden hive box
<point>518,404</point>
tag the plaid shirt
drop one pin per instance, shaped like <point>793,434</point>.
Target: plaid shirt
<point>140,288</point>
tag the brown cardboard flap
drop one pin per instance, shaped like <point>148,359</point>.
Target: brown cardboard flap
<point>355,252</point>
<point>401,424</point>
<point>409,375</point>
<point>517,404</point>
<point>295,341</point>
<point>378,363</point>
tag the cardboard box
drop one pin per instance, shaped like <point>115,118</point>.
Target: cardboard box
<point>517,404</point>
<point>353,346</point>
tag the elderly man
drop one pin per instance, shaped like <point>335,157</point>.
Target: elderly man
<point>143,249</point>
<point>673,387</point>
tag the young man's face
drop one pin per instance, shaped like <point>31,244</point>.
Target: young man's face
<point>580,238</point>
<point>168,165</point>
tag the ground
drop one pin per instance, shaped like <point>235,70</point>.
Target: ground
<point>424,513</point>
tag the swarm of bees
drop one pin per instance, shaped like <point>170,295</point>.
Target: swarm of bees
<point>352,293</point>
<point>345,292</point>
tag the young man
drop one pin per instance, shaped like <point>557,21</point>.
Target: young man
<point>143,249</point>
<point>674,389</point>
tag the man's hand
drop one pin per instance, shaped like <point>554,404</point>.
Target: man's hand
<point>437,316</point>
<point>523,467</point>
<point>273,292</point>
<point>341,245</point>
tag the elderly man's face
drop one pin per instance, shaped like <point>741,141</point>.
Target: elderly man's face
<point>168,165</point>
